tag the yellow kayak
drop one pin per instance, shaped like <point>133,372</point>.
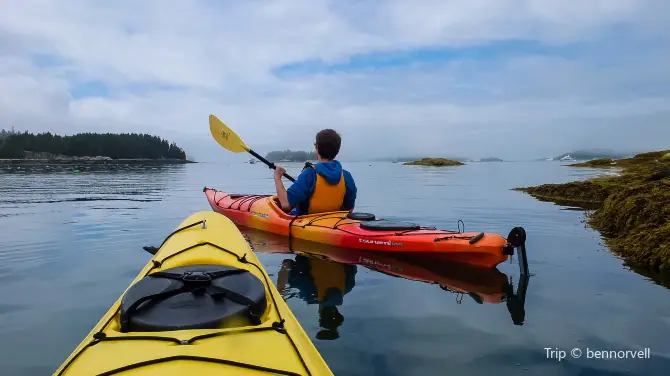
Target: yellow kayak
<point>203,305</point>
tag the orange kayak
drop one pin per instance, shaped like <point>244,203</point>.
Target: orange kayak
<point>363,231</point>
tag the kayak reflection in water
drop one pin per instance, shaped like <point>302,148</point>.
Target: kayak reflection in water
<point>319,282</point>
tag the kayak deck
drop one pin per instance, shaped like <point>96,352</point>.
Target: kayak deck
<point>277,344</point>
<point>339,229</point>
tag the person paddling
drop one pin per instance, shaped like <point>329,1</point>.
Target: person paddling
<point>321,187</point>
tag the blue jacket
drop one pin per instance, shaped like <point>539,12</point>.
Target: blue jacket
<point>300,192</point>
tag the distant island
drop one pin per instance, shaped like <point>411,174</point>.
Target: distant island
<point>22,148</point>
<point>630,209</point>
<point>587,155</point>
<point>291,156</point>
<point>434,162</point>
<point>491,159</point>
<point>418,158</point>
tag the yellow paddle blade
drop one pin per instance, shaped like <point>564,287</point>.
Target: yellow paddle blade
<point>225,136</point>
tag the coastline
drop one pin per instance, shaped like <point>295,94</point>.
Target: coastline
<point>631,209</point>
<point>90,161</point>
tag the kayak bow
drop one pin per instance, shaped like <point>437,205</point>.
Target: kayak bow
<point>202,305</point>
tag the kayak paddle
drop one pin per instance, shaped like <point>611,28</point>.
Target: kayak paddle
<point>232,142</point>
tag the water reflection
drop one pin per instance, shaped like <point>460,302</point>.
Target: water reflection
<point>323,274</point>
<point>318,281</point>
<point>41,185</point>
<point>83,167</point>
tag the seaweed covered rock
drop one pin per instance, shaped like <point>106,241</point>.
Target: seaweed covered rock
<point>637,221</point>
<point>589,194</point>
<point>434,162</point>
<point>632,210</point>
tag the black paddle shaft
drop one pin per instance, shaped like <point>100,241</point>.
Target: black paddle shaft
<point>271,165</point>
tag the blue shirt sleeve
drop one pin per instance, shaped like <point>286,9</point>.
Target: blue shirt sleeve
<point>301,190</point>
<point>350,196</point>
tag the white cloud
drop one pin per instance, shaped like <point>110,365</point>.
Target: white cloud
<point>169,65</point>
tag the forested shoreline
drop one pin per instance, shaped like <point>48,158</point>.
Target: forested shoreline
<point>290,156</point>
<point>127,146</point>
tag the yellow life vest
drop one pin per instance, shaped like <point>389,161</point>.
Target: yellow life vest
<point>327,197</point>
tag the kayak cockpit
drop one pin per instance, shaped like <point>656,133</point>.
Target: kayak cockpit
<point>193,297</point>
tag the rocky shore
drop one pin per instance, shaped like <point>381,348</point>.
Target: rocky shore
<point>631,210</point>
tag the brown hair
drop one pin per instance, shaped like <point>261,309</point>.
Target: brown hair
<point>328,143</point>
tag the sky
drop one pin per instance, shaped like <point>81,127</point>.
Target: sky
<point>516,79</point>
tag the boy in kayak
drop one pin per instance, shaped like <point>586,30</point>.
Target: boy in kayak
<point>322,187</point>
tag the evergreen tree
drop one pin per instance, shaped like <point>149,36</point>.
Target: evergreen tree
<point>115,146</point>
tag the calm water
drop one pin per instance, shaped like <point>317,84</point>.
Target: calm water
<point>71,244</point>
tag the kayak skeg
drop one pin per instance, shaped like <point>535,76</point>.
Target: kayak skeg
<point>202,305</point>
<point>363,231</point>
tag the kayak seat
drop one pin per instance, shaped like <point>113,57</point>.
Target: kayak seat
<point>193,297</point>
<point>275,201</point>
<point>384,225</point>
